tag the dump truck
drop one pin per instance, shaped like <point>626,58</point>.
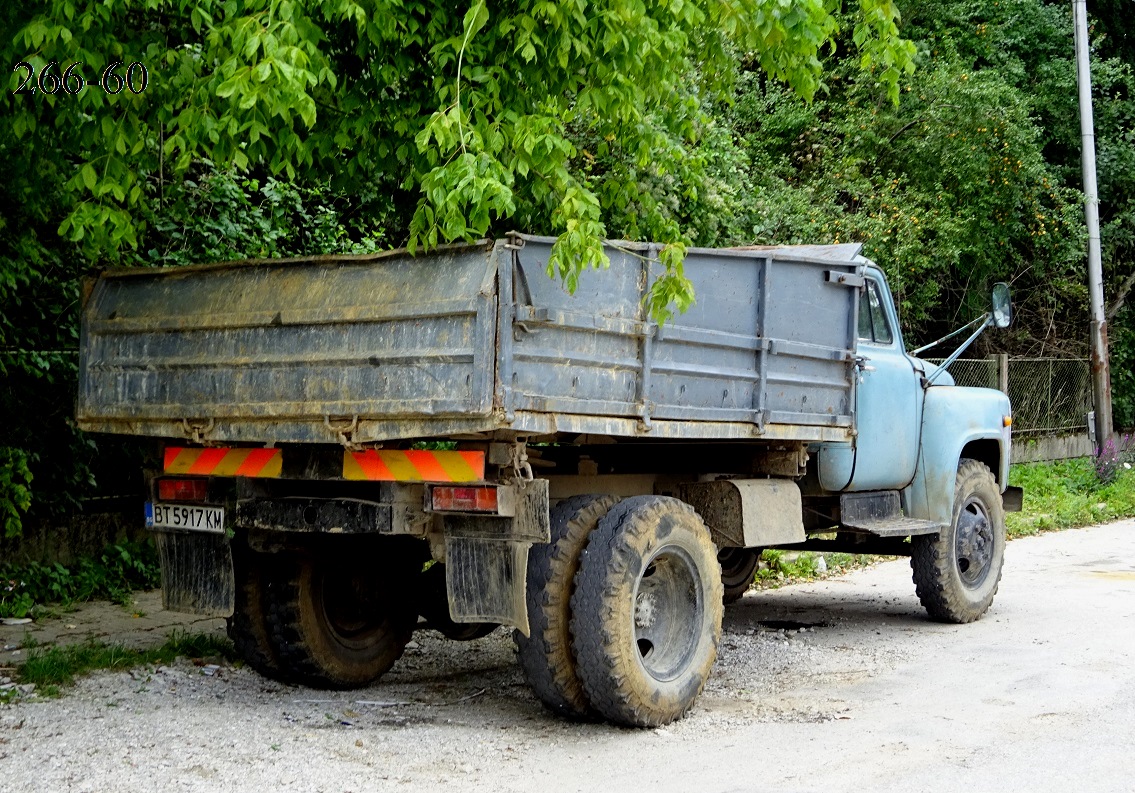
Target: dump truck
<point>349,448</point>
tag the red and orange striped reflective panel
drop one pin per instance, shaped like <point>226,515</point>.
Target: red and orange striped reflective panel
<point>264,463</point>
<point>415,465</point>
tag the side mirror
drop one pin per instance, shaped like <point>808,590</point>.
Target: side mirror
<point>1002,305</point>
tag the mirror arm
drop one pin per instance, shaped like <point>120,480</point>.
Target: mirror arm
<point>987,321</point>
<point>952,334</point>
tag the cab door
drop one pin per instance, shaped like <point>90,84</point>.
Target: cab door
<point>889,396</point>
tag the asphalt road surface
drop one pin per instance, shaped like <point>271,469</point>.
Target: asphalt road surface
<point>838,685</point>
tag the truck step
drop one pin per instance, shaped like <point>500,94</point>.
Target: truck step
<point>899,526</point>
<point>879,512</point>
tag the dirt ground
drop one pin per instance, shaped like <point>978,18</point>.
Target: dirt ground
<point>141,624</point>
<point>837,685</point>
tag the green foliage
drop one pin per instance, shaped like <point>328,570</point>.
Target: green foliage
<point>58,666</point>
<point>214,215</point>
<point>1122,347</point>
<point>15,497</point>
<point>949,189</point>
<point>287,127</point>
<point>295,127</point>
<point>462,112</point>
<point>1069,494</point>
<point>117,572</point>
<point>778,567</point>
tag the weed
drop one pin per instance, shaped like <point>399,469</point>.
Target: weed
<point>1112,459</point>
<point>113,575</point>
<point>53,667</point>
<point>778,567</point>
<point>1068,494</point>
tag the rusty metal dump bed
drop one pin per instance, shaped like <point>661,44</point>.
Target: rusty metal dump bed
<point>473,338</point>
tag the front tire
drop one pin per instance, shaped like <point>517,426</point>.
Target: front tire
<point>957,571</point>
<point>646,611</point>
<point>339,616</point>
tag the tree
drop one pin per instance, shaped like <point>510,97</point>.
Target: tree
<point>467,116</point>
<point>432,121</point>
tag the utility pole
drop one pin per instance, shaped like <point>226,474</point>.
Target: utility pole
<point>1101,370</point>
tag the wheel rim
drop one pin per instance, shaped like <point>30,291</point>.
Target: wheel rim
<point>668,609</point>
<point>973,543</point>
<point>351,614</point>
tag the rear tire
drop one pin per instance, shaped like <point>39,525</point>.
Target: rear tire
<point>957,571</point>
<point>545,655</point>
<point>338,616</point>
<point>738,565</point>
<point>646,612</point>
<point>247,628</point>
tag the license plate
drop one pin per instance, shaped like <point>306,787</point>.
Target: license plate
<point>185,517</point>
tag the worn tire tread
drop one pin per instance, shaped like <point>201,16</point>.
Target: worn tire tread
<point>545,655</point>
<point>932,561</point>
<point>734,592</point>
<point>248,628</point>
<point>299,656</point>
<point>605,663</point>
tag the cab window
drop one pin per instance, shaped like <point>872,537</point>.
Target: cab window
<point>873,324</point>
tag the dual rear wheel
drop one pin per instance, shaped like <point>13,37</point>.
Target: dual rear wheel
<point>625,606</point>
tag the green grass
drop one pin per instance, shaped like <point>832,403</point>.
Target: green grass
<point>777,567</point>
<point>51,668</point>
<point>1068,494</point>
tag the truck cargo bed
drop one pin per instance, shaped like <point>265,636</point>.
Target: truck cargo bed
<point>472,339</point>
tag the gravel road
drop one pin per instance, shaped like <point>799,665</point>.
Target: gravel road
<point>1037,696</point>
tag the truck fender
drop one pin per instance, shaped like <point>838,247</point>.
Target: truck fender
<point>957,422</point>
<point>748,513</point>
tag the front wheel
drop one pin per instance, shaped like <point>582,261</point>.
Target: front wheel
<point>956,572</point>
<point>646,611</point>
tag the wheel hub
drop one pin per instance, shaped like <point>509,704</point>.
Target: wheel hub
<point>644,610</point>
<point>668,609</point>
<point>974,543</point>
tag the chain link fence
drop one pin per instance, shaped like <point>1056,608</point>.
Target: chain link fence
<point>1050,396</point>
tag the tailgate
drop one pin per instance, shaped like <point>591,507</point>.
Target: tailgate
<point>287,350</point>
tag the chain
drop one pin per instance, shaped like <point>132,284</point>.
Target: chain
<point>521,468</point>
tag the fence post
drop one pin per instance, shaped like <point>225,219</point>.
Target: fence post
<point>1001,364</point>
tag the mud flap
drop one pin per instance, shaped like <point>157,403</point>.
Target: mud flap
<point>197,573</point>
<point>486,560</point>
<point>485,581</point>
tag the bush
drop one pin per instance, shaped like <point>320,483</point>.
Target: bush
<point>113,575</point>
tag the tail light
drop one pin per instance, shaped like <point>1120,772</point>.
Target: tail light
<point>196,489</point>
<point>445,498</point>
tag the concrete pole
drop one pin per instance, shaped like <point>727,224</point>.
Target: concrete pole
<point>1101,373</point>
